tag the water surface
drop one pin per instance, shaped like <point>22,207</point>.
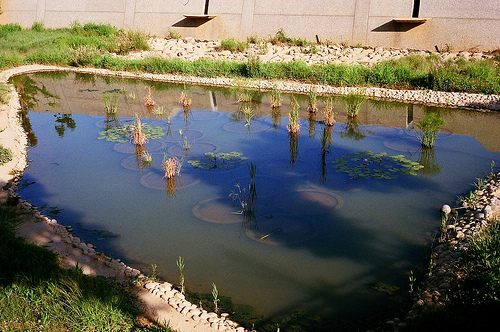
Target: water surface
<point>320,240</point>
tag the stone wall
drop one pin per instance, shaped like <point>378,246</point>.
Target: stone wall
<point>459,24</point>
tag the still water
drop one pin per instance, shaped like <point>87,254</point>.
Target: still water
<point>320,240</point>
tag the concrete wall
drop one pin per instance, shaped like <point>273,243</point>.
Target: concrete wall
<point>461,24</point>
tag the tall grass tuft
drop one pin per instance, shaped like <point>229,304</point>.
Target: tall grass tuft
<point>171,166</point>
<point>233,45</point>
<point>328,113</point>
<point>353,102</point>
<point>275,97</point>
<point>138,137</point>
<point>293,117</point>
<point>313,102</point>
<point>428,128</point>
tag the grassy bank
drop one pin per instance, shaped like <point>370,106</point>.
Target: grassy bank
<point>97,45</point>
<point>37,295</point>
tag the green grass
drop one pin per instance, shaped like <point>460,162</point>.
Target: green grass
<point>93,45</point>
<point>37,295</point>
<point>233,45</point>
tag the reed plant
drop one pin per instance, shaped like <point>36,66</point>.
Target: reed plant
<point>110,101</point>
<point>329,113</point>
<point>138,135</point>
<point>180,265</point>
<point>428,128</point>
<point>185,100</point>
<point>353,102</point>
<point>215,295</point>
<point>148,99</point>
<point>313,103</point>
<point>246,200</point>
<point>171,166</point>
<point>293,117</point>
<point>275,97</point>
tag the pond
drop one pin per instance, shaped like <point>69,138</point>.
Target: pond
<point>322,240</point>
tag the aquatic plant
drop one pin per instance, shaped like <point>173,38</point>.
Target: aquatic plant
<point>184,143</point>
<point>148,100</point>
<point>470,200</point>
<point>411,279</point>
<point>146,157</point>
<point>180,265</point>
<point>328,113</point>
<point>123,133</point>
<point>171,166</point>
<point>215,295</point>
<point>293,117</point>
<point>313,103</point>
<point>367,164</point>
<point>110,101</point>
<point>221,160</point>
<point>138,137</point>
<point>248,115</point>
<point>353,102</point>
<point>247,201</point>
<point>275,97</point>
<point>185,100</point>
<point>428,128</point>
<point>159,110</point>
